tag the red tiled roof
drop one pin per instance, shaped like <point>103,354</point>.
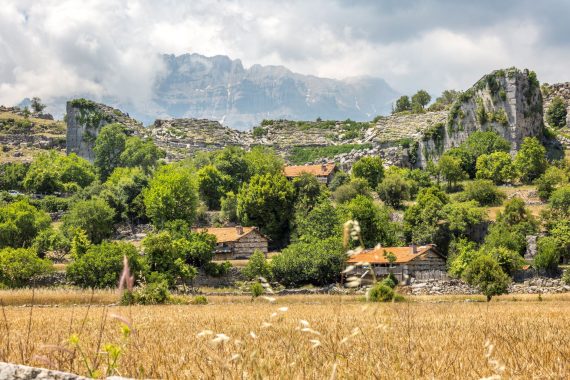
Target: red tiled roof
<point>376,255</point>
<point>316,170</point>
<point>227,234</point>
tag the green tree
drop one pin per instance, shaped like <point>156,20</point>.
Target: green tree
<point>549,181</point>
<point>420,100</point>
<point>509,260</point>
<point>349,191</point>
<point>317,262</point>
<point>548,255</point>
<point>19,266</point>
<point>375,224</point>
<point>20,223</point>
<point>460,217</point>
<point>485,273</point>
<point>556,113</point>
<point>212,185</point>
<point>530,160</point>
<point>422,220</point>
<point>171,194</point>
<point>51,240</point>
<point>140,153</point>
<point>450,169</point>
<point>477,144</point>
<point>263,160</point>
<point>12,175</point>
<point>94,216</point>
<point>166,255</point>
<point>393,190</point>
<point>559,203</point>
<point>257,266</point>
<point>340,178</point>
<point>127,184</point>
<point>561,232</point>
<point>37,106</point>
<point>267,202</point>
<point>232,162</point>
<point>229,207</point>
<point>101,266</point>
<point>497,166</point>
<point>445,100</point>
<point>402,104</point>
<point>370,169</point>
<point>308,190</point>
<point>321,222</point>
<point>109,145</point>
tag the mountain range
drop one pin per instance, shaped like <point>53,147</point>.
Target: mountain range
<point>221,89</point>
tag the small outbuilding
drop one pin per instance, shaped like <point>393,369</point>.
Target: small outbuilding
<point>237,242</point>
<point>405,263</point>
<point>323,172</point>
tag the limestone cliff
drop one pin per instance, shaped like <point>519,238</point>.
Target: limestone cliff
<point>85,119</point>
<point>508,102</point>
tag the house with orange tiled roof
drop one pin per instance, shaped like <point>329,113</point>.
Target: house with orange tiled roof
<point>404,262</point>
<point>237,242</point>
<point>323,172</point>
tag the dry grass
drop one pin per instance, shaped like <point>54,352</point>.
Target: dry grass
<point>535,210</point>
<point>343,337</point>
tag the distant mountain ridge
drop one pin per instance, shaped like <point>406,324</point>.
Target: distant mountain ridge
<point>220,88</point>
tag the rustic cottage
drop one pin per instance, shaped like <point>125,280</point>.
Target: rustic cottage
<point>237,242</point>
<point>404,262</point>
<point>323,172</point>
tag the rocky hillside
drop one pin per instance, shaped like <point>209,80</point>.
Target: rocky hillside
<point>506,101</point>
<point>218,88</point>
<point>85,119</point>
<point>23,135</point>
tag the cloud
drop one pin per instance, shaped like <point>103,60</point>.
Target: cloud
<point>57,49</point>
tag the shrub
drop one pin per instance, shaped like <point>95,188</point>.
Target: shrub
<point>566,277</point>
<point>256,289</point>
<point>382,292</point>
<point>257,266</point>
<point>484,192</point>
<point>530,160</point>
<point>556,113</point>
<point>393,190</point>
<point>351,190</point>
<point>94,216</point>
<point>101,265</point>
<point>19,266</point>
<point>548,255</point>
<point>20,223</point>
<point>497,166</point>
<point>317,262</point>
<point>200,300</point>
<point>217,270</point>
<point>152,293</point>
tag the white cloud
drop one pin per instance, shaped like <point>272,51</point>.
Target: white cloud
<point>58,49</point>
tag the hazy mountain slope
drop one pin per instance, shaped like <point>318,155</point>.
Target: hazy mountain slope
<point>222,89</point>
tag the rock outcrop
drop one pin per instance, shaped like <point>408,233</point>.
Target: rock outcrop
<point>85,119</point>
<point>508,102</point>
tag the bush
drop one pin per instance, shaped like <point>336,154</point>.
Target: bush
<point>257,266</point>
<point>393,190</point>
<point>94,216</point>
<point>351,190</point>
<point>217,270</point>
<point>556,113</point>
<point>530,160</point>
<point>384,292</point>
<point>484,192</point>
<point>317,262</point>
<point>566,277</point>
<point>497,167</point>
<point>256,289</point>
<point>101,265</point>
<point>19,266</point>
<point>548,255</point>
<point>20,223</point>
<point>152,293</point>
<point>200,300</point>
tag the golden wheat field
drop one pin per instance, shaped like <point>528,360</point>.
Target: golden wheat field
<point>293,337</point>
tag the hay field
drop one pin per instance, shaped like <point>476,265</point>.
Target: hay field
<point>298,337</point>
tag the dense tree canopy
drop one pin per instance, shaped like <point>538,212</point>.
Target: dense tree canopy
<point>370,169</point>
<point>530,160</point>
<point>556,113</point>
<point>109,145</point>
<point>94,216</point>
<point>20,223</point>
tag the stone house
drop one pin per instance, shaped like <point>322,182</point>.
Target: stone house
<point>407,262</point>
<point>323,172</point>
<point>237,242</point>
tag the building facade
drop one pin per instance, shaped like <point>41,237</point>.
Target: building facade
<point>237,242</point>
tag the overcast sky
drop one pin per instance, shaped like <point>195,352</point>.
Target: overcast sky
<point>61,48</point>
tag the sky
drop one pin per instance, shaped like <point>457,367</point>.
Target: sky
<point>109,48</point>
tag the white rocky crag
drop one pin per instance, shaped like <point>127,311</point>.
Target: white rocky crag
<point>9,371</point>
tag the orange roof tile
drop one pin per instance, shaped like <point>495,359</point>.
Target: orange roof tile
<point>226,234</point>
<point>321,170</point>
<point>376,255</point>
